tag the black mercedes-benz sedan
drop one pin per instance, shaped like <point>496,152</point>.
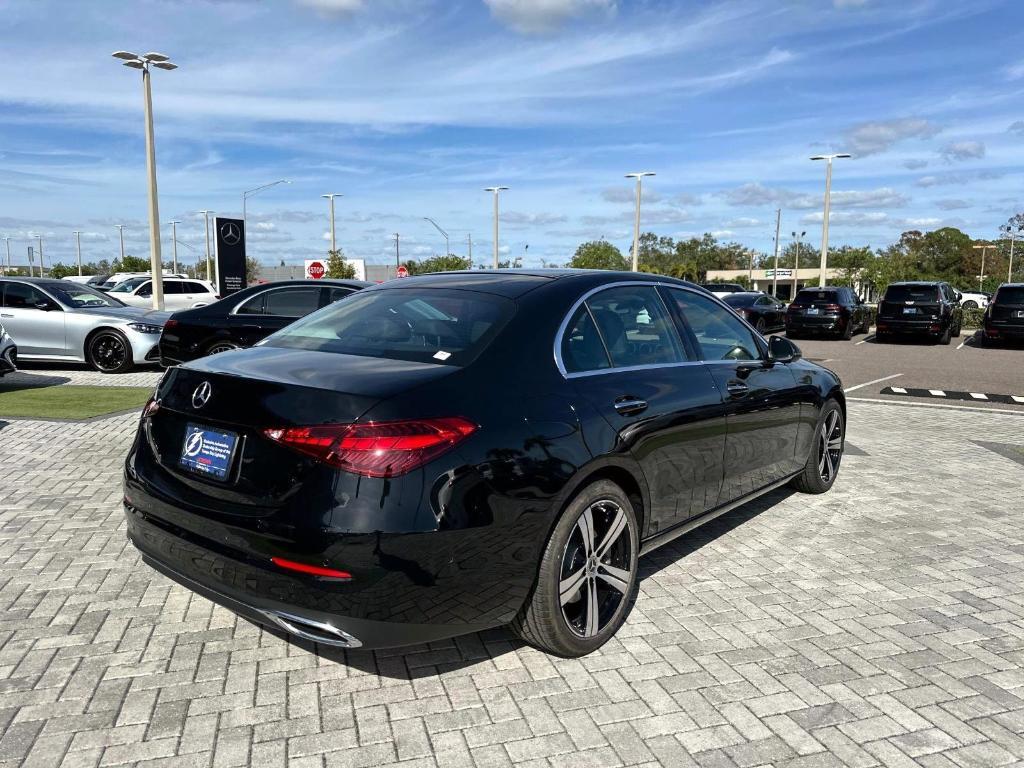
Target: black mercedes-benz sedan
<point>453,452</point>
<point>764,312</point>
<point>247,316</point>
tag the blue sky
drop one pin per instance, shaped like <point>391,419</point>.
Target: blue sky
<point>410,107</point>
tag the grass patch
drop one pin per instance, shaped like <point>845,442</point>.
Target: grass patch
<point>70,402</point>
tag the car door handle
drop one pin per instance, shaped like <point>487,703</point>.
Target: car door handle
<point>6,315</point>
<point>737,388</point>
<point>628,405</point>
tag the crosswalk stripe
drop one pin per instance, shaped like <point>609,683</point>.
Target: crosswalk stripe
<point>1017,399</point>
<point>936,393</point>
<point>979,396</point>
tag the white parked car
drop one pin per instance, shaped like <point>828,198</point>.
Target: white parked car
<point>117,278</point>
<point>179,293</point>
<point>974,299</point>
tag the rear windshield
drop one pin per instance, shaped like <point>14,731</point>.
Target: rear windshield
<point>1010,295</point>
<point>740,299</point>
<point>912,293</point>
<point>816,297</point>
<point>722,287</point>
<point>449,327</point>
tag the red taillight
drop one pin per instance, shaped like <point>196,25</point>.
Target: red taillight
<point>831,307</point>
<point>376,449</point>
<point>171,323</point>
<point>152,406</point>
<point>312,570</point>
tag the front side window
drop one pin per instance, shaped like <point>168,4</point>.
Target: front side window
<point>129,285</point>
<point>721,335</point>
<point>449,327</point>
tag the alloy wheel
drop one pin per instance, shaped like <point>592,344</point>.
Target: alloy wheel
<point>595,574</point>
<point>224,346</point>
<point>830,446</point>
<point>109,352</point>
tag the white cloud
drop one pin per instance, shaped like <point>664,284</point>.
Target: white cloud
<point>915,164</point>
<point>543,16</point>
<point>849,3</point>
<point>743,221</point>
<point>952,204</point>
<point>515,218</point>
<point>848,218</point>
<point>628,195</point>
<point>878,136</point>
<point>957,178</point>
<point>1015,71</point>
<point>963,150</point>
<point>757,194</point>
<point>1017,127</point>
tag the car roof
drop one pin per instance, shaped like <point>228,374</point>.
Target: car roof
<point>512,283</point>
<point>918,282</point>
<point>746,294</point>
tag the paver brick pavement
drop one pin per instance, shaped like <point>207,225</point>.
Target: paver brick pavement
<point>879,624</point>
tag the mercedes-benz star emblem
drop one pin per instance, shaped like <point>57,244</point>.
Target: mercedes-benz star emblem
<point>201,395</point>
<point>230,233</point>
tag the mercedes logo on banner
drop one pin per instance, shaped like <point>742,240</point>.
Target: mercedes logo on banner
<point>230,233</point>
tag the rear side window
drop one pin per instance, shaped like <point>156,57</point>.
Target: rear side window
<point>816,297</point>
<point>582,346</point>
<point>172,287</point>
<point>292,302</point>
<point>192,287</point>
<point>336,294</point>
<point>1013,294</point>
<point>635,326</point>
<point>424,325</point>
<point>912,293</point>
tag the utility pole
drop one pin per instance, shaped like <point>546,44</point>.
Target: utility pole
<point>496,191</point>
<point>8,241</point>
<point>209,266</point>
<point>981,277</point>
<point>469,244</point>
<point>398,259</point>
<point>796,267</point>
<point>78,249</point>
<point>40,239</point>
<point>775,272</point>
<point>174,244</point>
<point>1012,232</point>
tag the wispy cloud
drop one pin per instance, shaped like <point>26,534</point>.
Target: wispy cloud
<point>545,16</point>
<point>878,136</point>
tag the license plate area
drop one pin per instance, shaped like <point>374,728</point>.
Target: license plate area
<point>208,452</point>
<point>1020,313</point>
<point>910,310</point>
<point>813,311</point>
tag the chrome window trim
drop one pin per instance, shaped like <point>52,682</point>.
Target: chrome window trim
<point>560,363</point>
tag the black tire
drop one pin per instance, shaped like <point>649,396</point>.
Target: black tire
<point>847,333</point>
<point>956,333</point>
<point>792,334</point>
<point>813,479</point>
<point>760,325</point>
<point>947,335</point>
<point>564,627</point>
<point>109,351</point>
<point>221,346</point>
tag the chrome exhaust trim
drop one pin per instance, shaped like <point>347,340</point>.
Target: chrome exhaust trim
<point>309,629</point>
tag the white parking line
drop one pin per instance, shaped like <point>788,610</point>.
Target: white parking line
<point>978,396</point>
<point>936,393</point>
<point>1017,399</point>
<point>874,381</point>
<point>962,343</point>
<point>864,340</point>
<point>907,404</point>
<point>898,390</point>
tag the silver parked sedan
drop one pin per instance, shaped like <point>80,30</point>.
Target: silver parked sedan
<point>8,352</point>
<point>59,321</point>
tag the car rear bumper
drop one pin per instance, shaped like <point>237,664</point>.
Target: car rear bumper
<point>820,324</point>
<point>1004,331</point>
<point>910,327</point>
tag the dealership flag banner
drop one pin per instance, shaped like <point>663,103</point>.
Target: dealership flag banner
<point>230,255</point>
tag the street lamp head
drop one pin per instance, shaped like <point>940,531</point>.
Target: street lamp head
<point>830,157</point>
<point>640,174</point>
<point>165,65</point>
<point>495,189</point>
<point>154,56</point>
<point>330,196</point>
<point>136,64</point>
<point>126,55</point>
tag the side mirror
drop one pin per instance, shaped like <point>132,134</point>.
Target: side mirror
<point>45,306</point>
<point>782,350</point>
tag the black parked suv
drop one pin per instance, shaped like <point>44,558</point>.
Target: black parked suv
<point>833,310</point>
<point>1004,318</point>
<point>920,309</point>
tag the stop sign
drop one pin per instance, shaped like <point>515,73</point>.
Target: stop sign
<point>316,270</point>
<point>402,271</point>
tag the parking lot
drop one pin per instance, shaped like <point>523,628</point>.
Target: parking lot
<point>879,624</point>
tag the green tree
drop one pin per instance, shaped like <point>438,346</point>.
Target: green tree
<point>131,264</point>
<point>598,254</point>
<point>449,263</point>
<point>338,267</point>
<point>252,270</point>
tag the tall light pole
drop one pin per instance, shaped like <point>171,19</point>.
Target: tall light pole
<point>496,191</point>
<point>120,234</point>
<point>78,249</point>
<point>636,221</point>
<point>144,63</point>
<point>796,266</point>
<point>981,277</point>
<point>250,192</point>
<point>447,247</point>
<point>828,205</point>
<point>1012,232</point>
<point>8,241</point>
<point>331,196</point>
<point>174,245</point>
<point>775,269</point>
<point>209,267</point>
<point>39,238</point>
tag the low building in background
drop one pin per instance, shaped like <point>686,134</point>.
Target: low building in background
<point>763,280</point>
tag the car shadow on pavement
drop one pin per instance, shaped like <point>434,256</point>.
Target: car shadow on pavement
<point>430,659</point>
<point>21,379</point>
